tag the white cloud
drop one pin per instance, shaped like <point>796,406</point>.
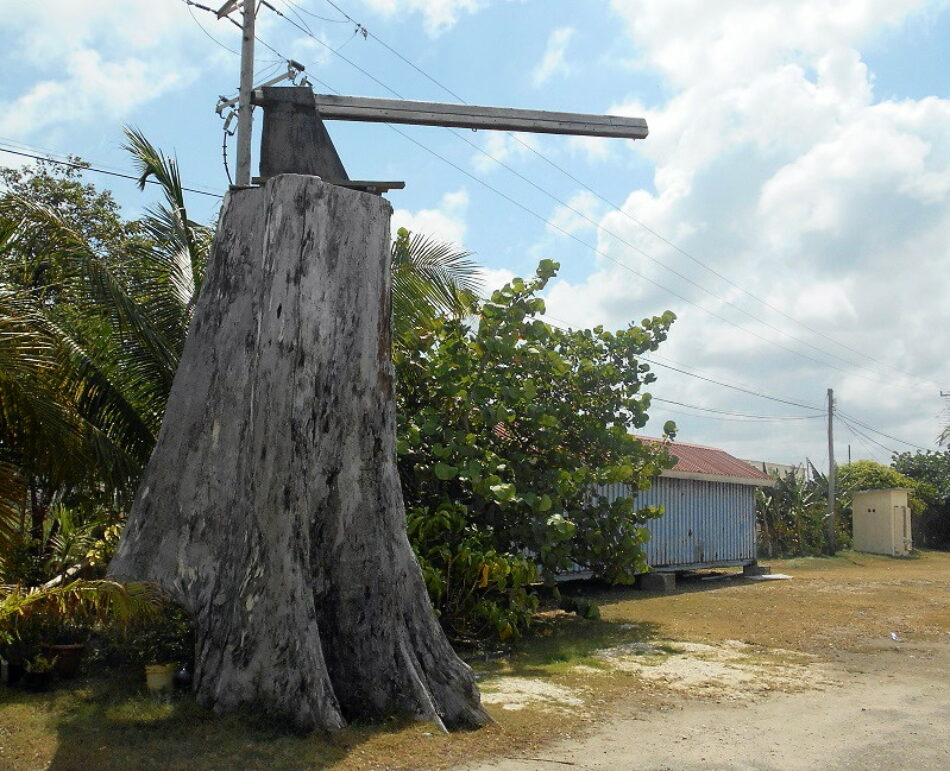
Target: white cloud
<point>92,61</point>
<point>693,41</point>
<point>824,302</point>
<point>439,15</point>
<point>581,213</point>
<point>596,149</point>
<point>444,223</point>
<point>92,89</point>
<point>777,167</point>
<point>554,60</point>
<point>503,147</point>
<point>494,278</point>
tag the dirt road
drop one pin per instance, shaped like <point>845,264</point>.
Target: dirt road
<point>815,680</point>
<point>886,710</point>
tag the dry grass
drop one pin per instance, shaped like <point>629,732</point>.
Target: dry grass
<point>850,602</point>
<point>845,602</point>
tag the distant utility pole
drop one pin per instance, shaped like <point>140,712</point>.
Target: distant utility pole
<point>832,518</point>
<point>242,176</point>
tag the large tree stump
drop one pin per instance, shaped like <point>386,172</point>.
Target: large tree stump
<point>271,507</point>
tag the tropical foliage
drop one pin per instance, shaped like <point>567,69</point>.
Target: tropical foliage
<point>930,472</point>
<point>430,279</point>
<point>870,475</point>
<point>507,428</point>
<point>93,315</point>
<point>507,425</point>
<point>793,515</point>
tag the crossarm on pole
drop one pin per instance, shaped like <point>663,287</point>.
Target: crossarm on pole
<point>373,110</point>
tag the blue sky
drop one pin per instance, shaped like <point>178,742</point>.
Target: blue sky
<point>799,149</point>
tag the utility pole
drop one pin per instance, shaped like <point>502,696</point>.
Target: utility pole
<point>832,518</point>
<point>243,175</point>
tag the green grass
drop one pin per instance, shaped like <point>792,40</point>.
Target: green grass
<point>563,644</point>
<point>111,723</point>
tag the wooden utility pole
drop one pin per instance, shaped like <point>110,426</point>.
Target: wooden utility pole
<point>244,128</point>
<point>832,518</point>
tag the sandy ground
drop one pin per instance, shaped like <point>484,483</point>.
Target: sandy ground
<point>888,709</point>
<point>819,687</point>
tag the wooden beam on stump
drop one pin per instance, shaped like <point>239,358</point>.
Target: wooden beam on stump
<point>271,508</point>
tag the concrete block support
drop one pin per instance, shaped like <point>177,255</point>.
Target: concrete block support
<point>755,569</point>
<point>656,582</point>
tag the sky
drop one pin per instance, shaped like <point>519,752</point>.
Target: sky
<point>791,204</point>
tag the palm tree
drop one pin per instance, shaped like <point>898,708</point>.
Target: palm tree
<point>92,329</point>
<point>430,278</point>
<point>88,350</point>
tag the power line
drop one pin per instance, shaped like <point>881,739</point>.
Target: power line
<point>714,381</point>
<point>87,167</point>
<point>550,162</point>
<point>318,16</point>
<point>861,435</point>
<point>582,215</point>
<point>212,38</point>
<point>881,433</point>
<point>871,451</point>
<point>511,200</point>
<point>728,413</point>
<point>629,216</point>
<point>734,388</point>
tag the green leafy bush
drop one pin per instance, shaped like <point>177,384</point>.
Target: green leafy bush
<point>930,472</point>
<point>477,591</point>
<point>507,426</point>
<point>792,516</point>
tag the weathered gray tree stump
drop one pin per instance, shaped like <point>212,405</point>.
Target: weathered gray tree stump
<point>271,507</point>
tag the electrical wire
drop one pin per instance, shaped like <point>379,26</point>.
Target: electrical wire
<point>718,418</point>
<point>359,27</point>
<point>728,413</point>
<point>189,4</point>
<point>734,388</point>
<point>574,237</point>
<point>317,16</point>
<point>622,211</point>
<point>870,450</point>
<point>709,379</point>
<point>629,216</point>
<point>881,433</point>
<point>861,434</point>
<point>224,153</point>
<point>87,167</point>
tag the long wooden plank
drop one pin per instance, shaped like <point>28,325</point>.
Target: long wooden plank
<point>373,110</point>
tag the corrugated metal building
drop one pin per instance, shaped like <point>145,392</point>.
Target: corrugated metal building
<point>709,510</point>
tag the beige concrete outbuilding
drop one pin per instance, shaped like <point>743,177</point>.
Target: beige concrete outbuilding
<point>881,522</point>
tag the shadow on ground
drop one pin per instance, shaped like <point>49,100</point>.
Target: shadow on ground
<point>563,642</point>
<point>686,583</point>
<point>113,723</point>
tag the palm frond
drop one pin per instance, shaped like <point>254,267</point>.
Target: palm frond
<point>169,225</point>
<point>81,601</point>
<point>430,278</point>
<point>450,276</point>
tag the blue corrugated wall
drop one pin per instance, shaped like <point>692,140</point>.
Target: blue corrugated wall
<point>704,523</point>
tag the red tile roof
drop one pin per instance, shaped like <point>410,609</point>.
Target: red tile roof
<point>694,459</point>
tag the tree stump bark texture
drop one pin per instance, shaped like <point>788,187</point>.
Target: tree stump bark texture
<point>271,507</point>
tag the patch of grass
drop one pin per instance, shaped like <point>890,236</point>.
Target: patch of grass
<point>566,643</point>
